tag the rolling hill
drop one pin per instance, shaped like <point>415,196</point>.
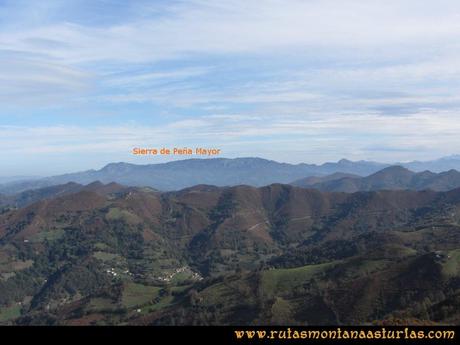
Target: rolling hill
<point>311,181</point>
<point>391,178</point>
<point>33,195</point>
<point>205,255</point>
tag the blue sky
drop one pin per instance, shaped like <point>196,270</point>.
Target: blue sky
<point>83,82</point>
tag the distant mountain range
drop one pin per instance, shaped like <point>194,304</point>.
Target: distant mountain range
<point>438,165</point>
<point>8,179</point>
<point>391,178</point>
<point>256,172</point>
<point>177,175</point>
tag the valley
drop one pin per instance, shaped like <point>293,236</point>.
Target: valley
<point>205,255</point>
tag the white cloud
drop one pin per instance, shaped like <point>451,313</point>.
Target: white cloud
<point>39,81</point>
<point>316,77</point>
<point>148,78</point>
<point>250,26</point>
<point>398,40</point>
<point>360,136</point>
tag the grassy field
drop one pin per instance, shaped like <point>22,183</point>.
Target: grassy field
<point>213,294</point>
<point>15,266</point>
<point>98,304</point>
<point>281,310</point>
<point>283,280</point>
<point>116,213</point>
<point>452,265</point>
<point>164,302</point>
<point>362,267</point>
<point>136,294</point>
<point>9,313</point>
<point>104,256</point>
<point>101,246</point>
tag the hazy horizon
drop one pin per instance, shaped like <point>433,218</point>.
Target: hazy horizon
<point>168,159</point>
<point>295,81</point>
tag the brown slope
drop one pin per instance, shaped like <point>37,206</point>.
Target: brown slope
<point>393,178</point>
<point>28,221</point>
<point>380,211</point>
<point>30,196</point>
<point>444,181</point>
<point>314,180</point>
<point>104,189</point>
<point>215,229</point>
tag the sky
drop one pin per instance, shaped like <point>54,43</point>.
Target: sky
<point>83,82</point>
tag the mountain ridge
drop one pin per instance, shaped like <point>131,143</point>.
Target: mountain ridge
<point>176,175</point>
<point>390,178</point>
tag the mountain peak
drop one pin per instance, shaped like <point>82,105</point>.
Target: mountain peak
<point>395,170</point>
<point>118,168</point>
<point>94,184</point>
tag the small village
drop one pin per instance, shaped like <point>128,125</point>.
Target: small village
<point>169,277</point>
